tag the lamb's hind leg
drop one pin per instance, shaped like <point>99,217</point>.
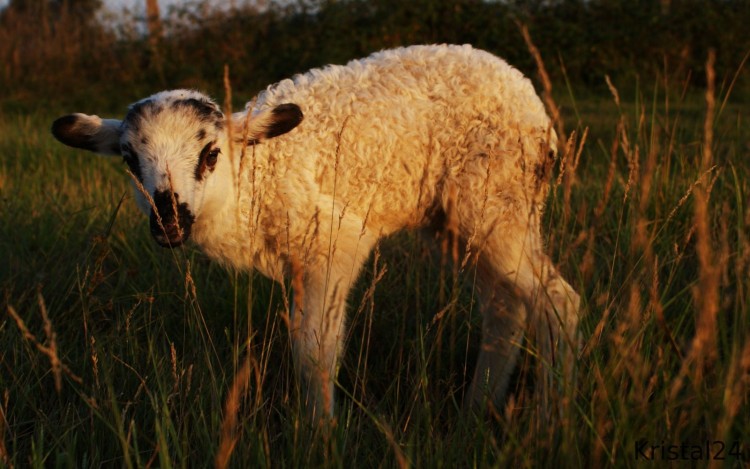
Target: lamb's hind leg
<point>552,302</point>
<point>514,250</point>
<point>503,322</point>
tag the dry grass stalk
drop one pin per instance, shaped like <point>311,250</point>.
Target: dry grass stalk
<point>648,176</point>
<point>643,238</point>
<point>564,158</point>
<point>331,241</point>
<point>737,74</point>
<point>567,176</point>
<point>95,362</point>
<point>706,293</point>
<point>149,199</point>
<point>57,366</point>
<point>228,110</point>
<point>627,340</point>
<point>587,264</point>
<point>238,178</point>
<point>368,300</point>
<point>742,261</point>
<point>4,427</point>
<point>611,171</point>
<point>173,361</point>
<point>602,401</point>
<point>401,460</point>
<point>190,288</point>
<point>173,199</point>
<point>230,137</point>
<point>593,342</point>
<point>451,237</point>
<point>704,176</point>
<point>190,282</point>
<point>572,166</point>
<point>546,84</point>
<point>298,290</point>
<point>229,437</point>
<point>472,239</point>
<point>736,389</point>
<point>703,349</point>
<point>324,375</point>
<point>613,90</point>
<point>658,308</point>
<point>52,343</point>
<point>634,166</point>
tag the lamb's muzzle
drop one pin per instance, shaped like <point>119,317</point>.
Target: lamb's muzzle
<point>168,228</point>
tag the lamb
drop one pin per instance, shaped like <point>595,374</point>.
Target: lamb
<point>305,181</point>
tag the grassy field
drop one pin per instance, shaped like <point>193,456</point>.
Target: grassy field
<point>116,352</point>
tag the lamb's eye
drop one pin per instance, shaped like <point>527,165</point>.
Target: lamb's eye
<point>206,160</point>
<point>212,156</point>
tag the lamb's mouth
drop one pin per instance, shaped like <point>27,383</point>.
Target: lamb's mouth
<point>168,228</point>
<point>171,235</point>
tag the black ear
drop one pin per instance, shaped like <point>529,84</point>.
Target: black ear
<point>89,133</point>
<point>269,123</point>
<point>284,118</point>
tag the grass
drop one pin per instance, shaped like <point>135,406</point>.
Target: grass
<point>114,351</point>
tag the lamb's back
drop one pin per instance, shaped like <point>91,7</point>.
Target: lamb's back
<point>381,134</point>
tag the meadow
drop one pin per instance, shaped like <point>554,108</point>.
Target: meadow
<point>116,352</point>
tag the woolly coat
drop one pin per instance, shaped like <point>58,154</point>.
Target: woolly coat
<point>392,141</point>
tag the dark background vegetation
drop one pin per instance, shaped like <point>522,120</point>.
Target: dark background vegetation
<point>60,52</point>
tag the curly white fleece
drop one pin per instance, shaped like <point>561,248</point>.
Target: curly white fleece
<point>383,136</point>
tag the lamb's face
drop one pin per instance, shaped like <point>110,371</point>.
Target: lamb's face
<point>175,145</point>
<point>172,143</point>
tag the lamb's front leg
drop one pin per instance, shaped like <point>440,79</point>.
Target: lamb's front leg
<point>319,339</point>
<point>320,315</point>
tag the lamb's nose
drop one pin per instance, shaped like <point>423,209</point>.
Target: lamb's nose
<point>171,220</point>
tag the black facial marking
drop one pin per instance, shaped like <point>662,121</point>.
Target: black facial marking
<point>204,109</point>
<point>140,108</point>
<point>201,134</point>
<point>130,157</point>
<point>139,111</point>
<point>285,118</point>
<point>206,160</point>
<point>174,228</point>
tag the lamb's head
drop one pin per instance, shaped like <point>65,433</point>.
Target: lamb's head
<point>175,145</point>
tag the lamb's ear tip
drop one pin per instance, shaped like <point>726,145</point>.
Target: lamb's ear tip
<point>291,111</point>
<point>62,126</point>
<point>288,107</point>
<point>286,117</point>
<point>63,123</point>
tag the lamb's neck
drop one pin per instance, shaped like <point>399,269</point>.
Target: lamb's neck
<point>231,236</point>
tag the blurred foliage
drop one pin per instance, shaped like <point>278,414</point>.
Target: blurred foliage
<point>62,53</point>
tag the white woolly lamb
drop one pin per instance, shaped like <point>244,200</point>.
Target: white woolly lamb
<point>436,137</point>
